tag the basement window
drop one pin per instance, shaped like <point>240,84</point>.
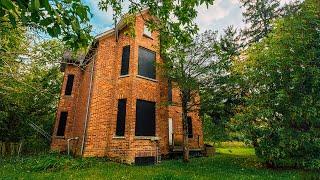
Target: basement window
<point>190,131</point>
<point>62,123</point>
<point>121,117</point>
<point>146,64</point>
<point>143,161</point>
<point>125,60</point>
<point>69,85</point>
<point>145,118</point>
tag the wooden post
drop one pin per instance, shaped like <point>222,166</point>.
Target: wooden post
<point>1,145</point>
<point>19,150</point>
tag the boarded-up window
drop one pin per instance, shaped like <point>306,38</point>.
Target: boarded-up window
<point>169,91</point>
<point>121,117</point>
<point>146,66</point>
<point>190,132</point>
<point>62,123</point>
<point>125,60</point>
<point>69,85</point>
<point>145,118</point>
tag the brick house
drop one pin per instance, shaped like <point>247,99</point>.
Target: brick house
<point>111,103</point>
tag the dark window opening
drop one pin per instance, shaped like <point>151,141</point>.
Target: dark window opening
<point>121,117</point>
<point>69,85</point>
<point>190,131</point>
<point>169,91</point>
<point>145,118</point>
<point>125,60</point>
<point>62,123</point>
<point>146,65</point>
<point>148,160</point>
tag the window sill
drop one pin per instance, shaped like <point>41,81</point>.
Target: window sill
<point>123,76</point>
<point>118,137</point>
<point>152,138</point>
<point>68,96</point>
<point>146,78</point>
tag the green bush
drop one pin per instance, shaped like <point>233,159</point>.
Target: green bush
<point>281,77</point>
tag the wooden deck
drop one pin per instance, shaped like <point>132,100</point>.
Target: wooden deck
<point>180,149</point>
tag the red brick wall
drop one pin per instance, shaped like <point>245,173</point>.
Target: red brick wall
<point>107,88</point>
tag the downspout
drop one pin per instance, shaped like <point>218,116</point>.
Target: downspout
<point>87,107</point>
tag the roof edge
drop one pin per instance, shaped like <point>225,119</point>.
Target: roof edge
<point>119,25</point>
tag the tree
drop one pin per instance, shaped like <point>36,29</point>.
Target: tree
<point>187,66</point>
<point>220,95</point>
<point>290,8</point>
<point>230,43</point>
<point>280,76</point>
<point>67,19</point>
<point>30,83</point>
<point>174,21</point>
<point>259,15</point>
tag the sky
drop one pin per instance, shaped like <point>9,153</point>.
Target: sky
<point>218,16</point>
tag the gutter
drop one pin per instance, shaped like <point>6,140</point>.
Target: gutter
<point>87,106</point>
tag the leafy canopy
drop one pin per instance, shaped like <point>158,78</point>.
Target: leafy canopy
<point>59,18</point>
<point>281,79</point>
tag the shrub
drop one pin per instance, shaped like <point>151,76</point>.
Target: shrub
<point>281,76</point>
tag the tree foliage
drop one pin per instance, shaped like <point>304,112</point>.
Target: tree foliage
<point>30,83</point>
<point>67,19</point>
<point>259,15</point>
<point>280,76</point>
<point>220,95</point>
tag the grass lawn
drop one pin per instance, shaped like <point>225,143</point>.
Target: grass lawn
<point>229,163</point>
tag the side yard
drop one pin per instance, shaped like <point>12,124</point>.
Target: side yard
<point>229,163</point>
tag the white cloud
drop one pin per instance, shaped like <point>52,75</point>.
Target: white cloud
<point>234,1</point>
<point>208,15</point>
<point>222,14</point>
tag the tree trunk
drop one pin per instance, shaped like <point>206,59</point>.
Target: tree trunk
<point>185,127</point>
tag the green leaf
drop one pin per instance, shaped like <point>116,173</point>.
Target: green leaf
<point>12,20</point>
<point>82,12</point>
<point>7,4</point>
<point>50,31</point>
<point>35,5</point>
<point>23,4</point>
<point>75,25</point>
<point>46,22</point>
<point>2,12</point>
<point>35,17</point>
<point>45,4</point>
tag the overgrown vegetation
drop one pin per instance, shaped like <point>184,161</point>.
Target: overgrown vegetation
<point>280,76</point>
<point>30,82</point>
<point>230,163</point>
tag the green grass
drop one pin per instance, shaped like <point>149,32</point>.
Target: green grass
<point>229,163</point>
